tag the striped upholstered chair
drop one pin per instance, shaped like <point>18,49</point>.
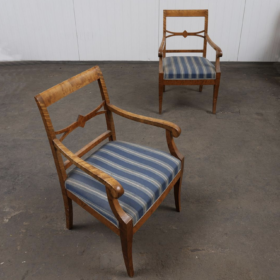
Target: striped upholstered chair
<point>121,184</point>
<point>188,70</point>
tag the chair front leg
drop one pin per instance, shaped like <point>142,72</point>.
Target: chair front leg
<point>200,88</point>
<point>177,189</point>
<point>68,212</point>
<point>175,152</point>
<point>68,207</point>
<point>126,232</point>
<point>215,92</point>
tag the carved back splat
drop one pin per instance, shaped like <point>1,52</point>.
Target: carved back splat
<point>186,13</point>
<point>184,33</point>
<point>81,121</point>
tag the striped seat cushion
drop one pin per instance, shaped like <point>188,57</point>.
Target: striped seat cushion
<point>188,68</point>
<point>144,173</point>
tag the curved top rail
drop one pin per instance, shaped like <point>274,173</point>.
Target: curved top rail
<point>63,89</point>
<point>185,13</point>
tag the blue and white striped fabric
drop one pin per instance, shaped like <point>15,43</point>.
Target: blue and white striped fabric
<point>188,68</point>
<point>144,173</point>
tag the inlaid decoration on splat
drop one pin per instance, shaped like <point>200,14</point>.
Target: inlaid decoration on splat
<point>81,121</point>
<point>184,33</point>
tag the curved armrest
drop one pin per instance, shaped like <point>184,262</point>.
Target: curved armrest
<point>161,47</point>
<point>173,128</point>
<point>113,186</point>
<point>219,52</point>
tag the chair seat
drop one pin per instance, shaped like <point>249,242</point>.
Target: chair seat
<point>188,68</point>
<point>144,173</point>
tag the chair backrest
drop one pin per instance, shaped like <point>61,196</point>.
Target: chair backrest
<point>186,13</point>
<point>60,91</point>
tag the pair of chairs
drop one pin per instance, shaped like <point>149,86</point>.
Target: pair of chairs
<point>121,184</point>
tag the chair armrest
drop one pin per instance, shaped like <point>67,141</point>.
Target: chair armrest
<point>161,47</point>
<point>173,128</point>
<point>113,186</point>
<point>218,50</point>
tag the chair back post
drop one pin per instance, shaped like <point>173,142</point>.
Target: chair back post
<point>108,114</point>
<point>51,136</point>
<point>205,33</point>
<point>164,32</point>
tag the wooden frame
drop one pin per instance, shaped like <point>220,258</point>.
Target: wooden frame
<point>206,39</point>
<point>113,187</point>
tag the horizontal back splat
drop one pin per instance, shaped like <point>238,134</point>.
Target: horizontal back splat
<point>81,121</point>
<point>184,33</point>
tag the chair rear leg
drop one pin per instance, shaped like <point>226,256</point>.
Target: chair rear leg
<point>216,91</point>
<point>161,88</point>
<point>200,88</point>
<point>177,194</point>
<point>160,97</point>
<point>126,234</point>
<point>215,97</point>
<point>68,212</point>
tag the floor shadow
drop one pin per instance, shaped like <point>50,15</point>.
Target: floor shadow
<point>184,105</point>
<point>188,88</point>
<point>169,236</point>
<point>186,101</point>
<point>167,208</point>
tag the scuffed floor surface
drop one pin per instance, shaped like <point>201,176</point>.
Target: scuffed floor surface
<point>229,227</point>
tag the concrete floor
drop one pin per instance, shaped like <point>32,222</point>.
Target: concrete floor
<point>229,227</point>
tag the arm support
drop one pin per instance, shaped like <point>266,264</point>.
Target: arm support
<point>169,126</point>
<point>218,50</point>
<point>161,47</point>
<point>112,185</point>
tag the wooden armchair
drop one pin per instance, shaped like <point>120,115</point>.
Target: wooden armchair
<point>121,184</point>
<point>188,70</point>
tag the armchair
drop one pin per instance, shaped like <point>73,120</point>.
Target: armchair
<point>188,70</point>
<point>121,184</point>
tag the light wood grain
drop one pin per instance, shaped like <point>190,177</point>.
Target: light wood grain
<point>186,13</point>
<point>63,89</point>
<point>173,128</point>
<point>218,50</point>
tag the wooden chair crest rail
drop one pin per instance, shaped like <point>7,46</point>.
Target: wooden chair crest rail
<point>188,70</point>
<point>99,183</point>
